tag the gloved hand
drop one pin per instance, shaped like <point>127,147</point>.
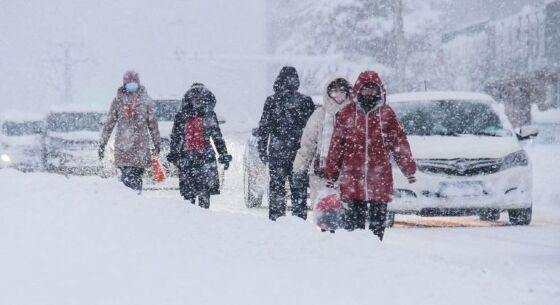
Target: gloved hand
<point>411,179</point>
<point>101,152</point>
<point>172,158</point>
<point>225,160</point>
<point>330,184</point>
<point>264,158</point>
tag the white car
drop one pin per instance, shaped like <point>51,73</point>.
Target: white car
<point>71,142</point>
<point>469,159</point>
<point>20,143</point>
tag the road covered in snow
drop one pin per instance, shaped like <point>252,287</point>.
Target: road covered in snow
<point>87,240</point>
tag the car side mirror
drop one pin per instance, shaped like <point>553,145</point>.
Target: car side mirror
<point>527,132</point>
<point>221,121</point>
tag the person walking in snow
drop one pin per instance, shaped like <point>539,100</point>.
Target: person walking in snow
<point>366,135</point>
<point>315,142</point>
<point>191,150</point>
<point>133,115</point>
<point>280,128</point>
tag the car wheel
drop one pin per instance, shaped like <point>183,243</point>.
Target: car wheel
<point>490,215</point>
<point>251,201</point>
<point>390,221</point>
<point>520,217</point>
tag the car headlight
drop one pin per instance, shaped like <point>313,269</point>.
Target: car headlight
<point>518,158</point>
<point>5,158</point>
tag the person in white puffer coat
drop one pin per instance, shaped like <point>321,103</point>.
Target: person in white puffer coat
<point>310,160</point>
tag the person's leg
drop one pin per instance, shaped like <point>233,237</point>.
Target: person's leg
<point>298,188</point>
<point>132,177</point>
<point>351,214</point>
<point>361,214</point>
<point>377,218</point>
<point>277,192</point>
<point>204,201</point>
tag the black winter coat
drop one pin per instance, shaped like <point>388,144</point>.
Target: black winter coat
<point>284,117</point>
<point>198,172</point>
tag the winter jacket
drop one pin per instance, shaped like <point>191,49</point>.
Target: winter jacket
<point>362,145</point>
<point>284,117</point>
<point>317,134</point>
<point>132,141</point>
<point>198,171</point>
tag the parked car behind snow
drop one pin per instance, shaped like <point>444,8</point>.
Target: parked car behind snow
<point>470,161</point>
<point>20,142</point>
<point>71,142</point>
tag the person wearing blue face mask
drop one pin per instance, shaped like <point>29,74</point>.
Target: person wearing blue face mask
<point>133,114</point>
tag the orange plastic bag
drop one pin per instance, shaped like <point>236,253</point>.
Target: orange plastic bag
<point>159,174</point>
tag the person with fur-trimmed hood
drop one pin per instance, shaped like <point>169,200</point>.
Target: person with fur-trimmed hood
<point>191,150</point>
<point>310,162</point>
<point>284,116</point>
<point>132,112</point>
<point>366,135</point>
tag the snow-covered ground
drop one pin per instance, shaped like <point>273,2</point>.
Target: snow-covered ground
<point>87,240</point>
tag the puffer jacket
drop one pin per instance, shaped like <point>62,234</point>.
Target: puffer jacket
<point>317,134</point>
<point>283,119</point>
<point>362,145</point>
<point>132,139</point>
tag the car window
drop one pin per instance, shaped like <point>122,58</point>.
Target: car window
<point>10,128</point>
<point>166,109</point>
<point>74,121</point>
<point>449,118</point>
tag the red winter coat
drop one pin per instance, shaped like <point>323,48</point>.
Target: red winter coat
<point>367,176</point>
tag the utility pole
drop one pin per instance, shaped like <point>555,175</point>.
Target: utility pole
<point>398,32</point>
<point>68,62</point>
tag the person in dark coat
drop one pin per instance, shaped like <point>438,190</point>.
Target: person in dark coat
<point>191,151</point>
<point>280,129</point>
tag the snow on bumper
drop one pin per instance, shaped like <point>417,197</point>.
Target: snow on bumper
<point>508,189</point>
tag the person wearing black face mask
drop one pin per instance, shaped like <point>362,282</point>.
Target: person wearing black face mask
<point>369,96</point>
<point>366,136</point>
<point>191,150</point>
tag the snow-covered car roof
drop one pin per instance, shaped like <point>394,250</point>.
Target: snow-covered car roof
<point>439,95</point>
<point>551,116</point>
<point>20,116</point>
<point>77,108</point>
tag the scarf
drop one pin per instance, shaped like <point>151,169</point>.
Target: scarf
<point>194,134</point>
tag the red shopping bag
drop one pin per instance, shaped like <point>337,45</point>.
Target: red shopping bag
<point>328,210</point>
<point>159,174</point>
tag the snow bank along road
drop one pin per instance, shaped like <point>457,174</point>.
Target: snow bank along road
<point>86,240</point>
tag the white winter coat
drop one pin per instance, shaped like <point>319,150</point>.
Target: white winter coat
<point>316,139</point>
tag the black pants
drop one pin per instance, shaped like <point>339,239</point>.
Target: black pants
<point>357,212</point>
<point>279,172</point>
<point>132,177</point>
<point>203,201</point>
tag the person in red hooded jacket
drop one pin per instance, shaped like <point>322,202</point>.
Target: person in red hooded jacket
<point>365,137</point>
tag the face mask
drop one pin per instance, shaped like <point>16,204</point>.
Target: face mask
<point>338,96</point>
<point>131,87</point>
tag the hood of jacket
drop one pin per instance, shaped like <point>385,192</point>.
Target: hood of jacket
<point>332,107</point>
<point>366,77</point>
<point>198,90</point>
<point>287,80</point>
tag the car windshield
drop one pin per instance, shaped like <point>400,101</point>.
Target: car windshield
<point>166,109</point>
<point>74,121</point>
<point>10,128</point>
<point>449,118</point>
